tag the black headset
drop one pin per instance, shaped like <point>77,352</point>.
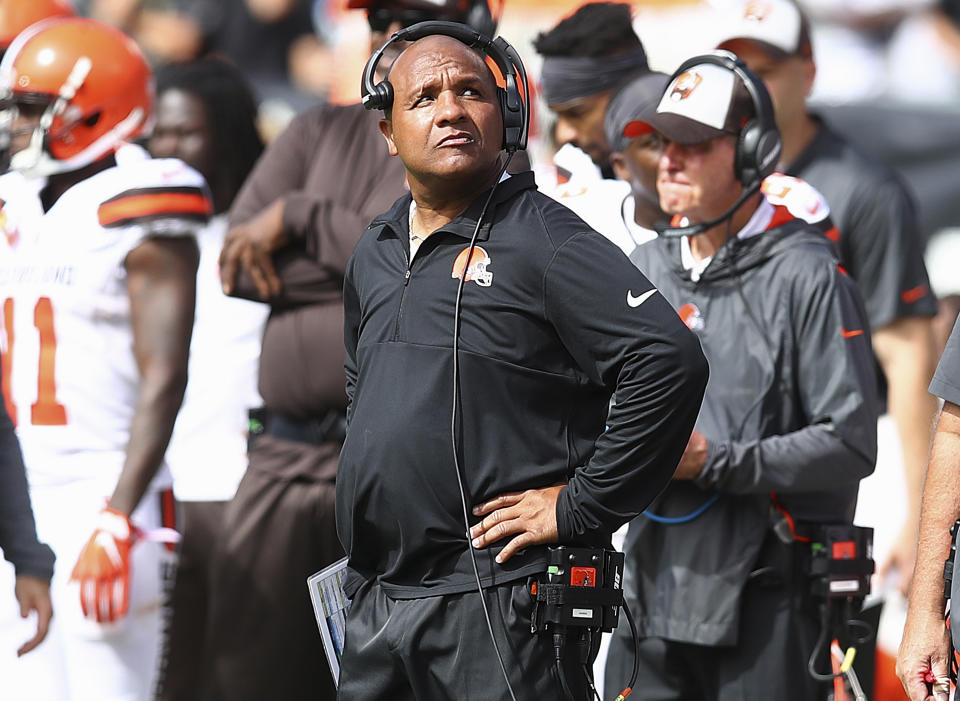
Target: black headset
<point>515,109</point>
<point>759,144</point>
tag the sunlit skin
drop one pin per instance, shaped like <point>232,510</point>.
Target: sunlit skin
<point>638,165</point>
<point>697,180</point>
<point>445,125</point>
<point>580,122</point>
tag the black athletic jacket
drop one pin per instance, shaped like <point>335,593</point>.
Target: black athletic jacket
<point>790,409</point>
<point>554,320</point>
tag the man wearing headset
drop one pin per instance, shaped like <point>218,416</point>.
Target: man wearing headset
<point>478,298</point>
<point>787,428</point>
<point>293,226</point>
<point>878,240</point>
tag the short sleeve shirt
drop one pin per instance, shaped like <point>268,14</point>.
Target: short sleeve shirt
<point>946,381</point>
<point>879,238</point>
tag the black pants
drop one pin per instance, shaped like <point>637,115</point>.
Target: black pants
<point>778,631</point>
<point>438,648</point>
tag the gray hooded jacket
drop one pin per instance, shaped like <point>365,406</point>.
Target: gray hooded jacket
<point>790,409</point>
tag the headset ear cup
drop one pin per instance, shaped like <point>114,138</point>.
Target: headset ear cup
<point>745,162</point>
<point>768,152</point>
<point>383,96</point>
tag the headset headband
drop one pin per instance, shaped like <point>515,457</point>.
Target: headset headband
<point>516,110</point>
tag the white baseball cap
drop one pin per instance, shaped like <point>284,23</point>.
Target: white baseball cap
<point>702,103</point>
<point>777,24</point>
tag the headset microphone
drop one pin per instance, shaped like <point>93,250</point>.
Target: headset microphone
<point>674,232</point>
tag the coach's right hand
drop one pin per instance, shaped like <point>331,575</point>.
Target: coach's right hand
<point>251,245</point>
<point>529,516</point>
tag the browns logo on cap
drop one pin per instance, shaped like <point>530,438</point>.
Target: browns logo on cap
<point>684,85</point>
<point>756,10</point>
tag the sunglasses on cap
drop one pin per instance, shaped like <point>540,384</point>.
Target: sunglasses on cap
<point>381,18</point>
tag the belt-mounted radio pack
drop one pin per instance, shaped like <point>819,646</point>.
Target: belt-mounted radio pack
<point>582,588</point>
<point>840,565</point>
<point>841,561</point>
<point>576,599</point>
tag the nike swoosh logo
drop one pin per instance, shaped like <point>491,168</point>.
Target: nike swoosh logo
<point>637,301</point>
<point>851,334</point>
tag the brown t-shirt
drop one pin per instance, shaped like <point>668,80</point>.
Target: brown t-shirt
<point>332,167</point>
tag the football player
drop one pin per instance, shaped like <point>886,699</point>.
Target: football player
<point>98,263</point>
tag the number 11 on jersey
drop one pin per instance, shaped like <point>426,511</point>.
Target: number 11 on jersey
<point>46,411</point>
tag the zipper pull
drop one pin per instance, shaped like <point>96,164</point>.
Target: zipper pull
<point>406,277</point>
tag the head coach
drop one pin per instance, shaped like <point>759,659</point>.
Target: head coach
<point>787,428</point>
<point>487,328</point>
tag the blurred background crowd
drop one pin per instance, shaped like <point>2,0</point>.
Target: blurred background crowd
<point>888,70</point>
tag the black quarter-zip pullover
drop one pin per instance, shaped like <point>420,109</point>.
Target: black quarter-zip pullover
<point>554,321</point>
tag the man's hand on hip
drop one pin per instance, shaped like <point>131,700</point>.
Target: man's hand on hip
<point>530,516</point>
<point>250,246</point>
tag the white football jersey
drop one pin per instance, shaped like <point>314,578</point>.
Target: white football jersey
<point>70,379</point>
<point>208,450</point>
<point>575,182</point>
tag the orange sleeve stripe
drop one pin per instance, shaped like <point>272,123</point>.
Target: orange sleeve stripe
<point>161,203</point>
<point>914,294</point>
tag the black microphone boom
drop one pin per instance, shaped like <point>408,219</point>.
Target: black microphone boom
<point>673,232</point>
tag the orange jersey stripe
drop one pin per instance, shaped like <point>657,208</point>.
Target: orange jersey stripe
<point>159,204</point>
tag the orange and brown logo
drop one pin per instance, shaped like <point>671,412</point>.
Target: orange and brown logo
<point>685,85</point>
<point>691,316</point>
<point>756,10</point>
<point>476,269</point>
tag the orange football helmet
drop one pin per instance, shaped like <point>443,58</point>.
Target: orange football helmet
<point>17,15</point>
<point>95,83</point>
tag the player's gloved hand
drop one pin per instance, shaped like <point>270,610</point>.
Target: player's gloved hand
<point>103,568</point>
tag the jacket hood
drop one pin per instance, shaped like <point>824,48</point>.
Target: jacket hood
<point>739,255</point>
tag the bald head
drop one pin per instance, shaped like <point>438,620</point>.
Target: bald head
<point>445,122</point>
<point>435,50</point>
